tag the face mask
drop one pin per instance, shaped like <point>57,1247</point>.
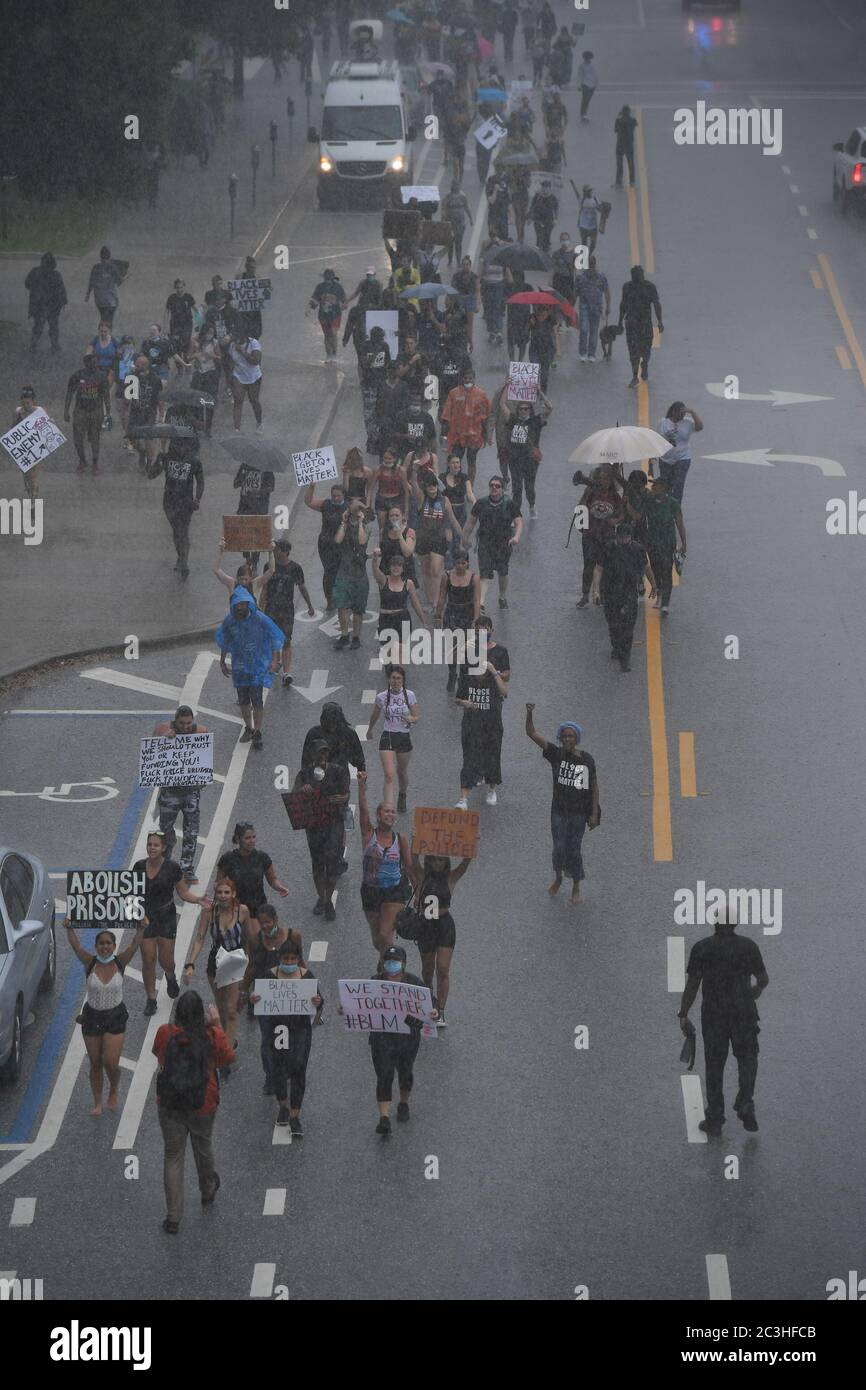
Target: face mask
<point>287,968</point>
<point>105,960</point>
<point>272,931</point>
<point>319,774</point>
<point>393,967</point>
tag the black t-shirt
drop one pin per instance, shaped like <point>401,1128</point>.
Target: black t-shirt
<point>373,361</point>
<point>420,430</point>
<point>248,873</point>
<point>482,691</point>
<point>332,515</point>
<point>143,410</point>
<point>179,308</point>
<point>87,390</point>
<point>495,521</point>
<point>280,592</point>
<point>569,797</point>
<point>256,488</point>
<point>449,367</point>
<point>159,906</point>
<point>724,963</point>
<point>158,351</point>
<point>521,436</point>
<point>181,477</point>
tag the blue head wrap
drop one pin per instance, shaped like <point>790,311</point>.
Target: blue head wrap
<point>569,724</point>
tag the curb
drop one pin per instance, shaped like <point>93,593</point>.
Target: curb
<point>176,639</point>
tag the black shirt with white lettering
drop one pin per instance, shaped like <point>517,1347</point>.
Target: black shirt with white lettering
<point>184,480</point>
<point>482,691</point>
<point>256,487</point>
<point>570,797</point>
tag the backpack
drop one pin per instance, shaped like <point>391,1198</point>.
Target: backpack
<point>182,1083</point>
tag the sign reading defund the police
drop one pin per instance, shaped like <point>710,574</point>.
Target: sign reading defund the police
<point>381,1006</point>
<point>248,294</point>
<point>315,465</point>
<point>183,761</point>
<point>285,998</point>
<point>32,439</point>
<point>105,895</point>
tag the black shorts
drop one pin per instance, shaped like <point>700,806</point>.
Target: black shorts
<point>395,743</point>
<point>284,619</point>
<point>95,1023</point>
<point>249,695</point>
<point>435,935</point>
<point>372,897</point>
<point>431,545</point>
<point>493,557</point>
<point>165,930</point>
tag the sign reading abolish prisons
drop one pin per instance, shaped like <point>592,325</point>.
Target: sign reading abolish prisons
<point>441,830</point>
<point>183,761</point>
<point>105,895</point>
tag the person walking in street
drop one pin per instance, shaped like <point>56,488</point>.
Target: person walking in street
<point>250,868</point>
<point>624,128</point>
<point>588,218</point>
<point>575,804</point>
<point>436,527</point>
<point>352,584</point>
<point>104,1016</point>
<point>327,779</point>
<point>254,643</point>
<point>493,285</point>
<point>143,410</point>
<point>523,432</point>
<point>387,862</point>
<point>47,298</point>
<point>182,494</point>
<point>500,527</point>
<point>563,277</point>
<point>457,488</point>
<point>725,964</point>
<point>226,921</point>
<point>255,486</point>
<point>543,342</point>
<point>435,881</point>
<point>508,21</point>
<point>399,710</point>
<point>105,277</point>
<point>623,566</point>
<point>163,877</point>
<point>27,403</point>
<point>289,1040</point>
<point>543,212</point>
<point>391,488</point>
<point>330,510</point>
<point>87,394</point>
<point>458,608</point>
<point>604,507</point>
<point>245,355</point>
<point>264,954</point>
<point>678,426</point>
<point>180,307</point>
<point>172,802</point>
<point>639,298</point>
<point>206,373</point>
<point>327,300</point>
<point>189,1052</point>
<point>481,697</point>
<point>466,282</point>
<point>122,369</point>
<point>279,601</point>
<point>593,292</point>
<point>587,81</point>
<point>396,593</point>
<point>456,209</point>
<point>106,348</point>
<point>664,521</point>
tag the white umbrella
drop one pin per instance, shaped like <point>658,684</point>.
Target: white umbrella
<point>620,444</point>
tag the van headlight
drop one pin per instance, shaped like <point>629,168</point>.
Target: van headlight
<point>325,164</point>
<point>398,164</point>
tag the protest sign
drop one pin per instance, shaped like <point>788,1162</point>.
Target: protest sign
<point>424,192</point>
<point>381,1006</point>
<point>285,998</point>
<point>523,381</point>
<point>490,133</point>
<point>520,87</point>
<point>401,223</point>
<point>387,319</point>
<point>248,294</point>
<point>105,895</point>
<point>183,761</point>
<point>247,532</point>
<point>315,465</point>
<point>307,810</point>
<point>32,439</point>
<point>445,830</point>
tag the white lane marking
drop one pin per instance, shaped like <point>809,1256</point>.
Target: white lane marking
<point>315,69</point>
<point>718,1279</point>
<point>361,731</point>
<point>334,897</point>
<point>676,964</point>
<point>368,697</point>
<point>803,211</point>
<point>318,950</point>
<point>811,233</point>
<point>785,169</point>
<point>281,1135</point>
<point>693,1102</point>
<point>130,682</point>
<point>60,903</point>
<point>641,17</point>
<point>478,228</point>
<point>127,1062</point>
<point>262,1285</point>
<point>275,1202</point>
<point>795,188</point>
<point>7,1273</point>
<point>23,1211</point>
<point>375,664</point>
<point>132,974</point>
<point>157,713</point>
<point>218,777</point>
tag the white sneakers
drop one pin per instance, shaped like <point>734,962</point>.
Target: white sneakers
<point>491,796</point>
<point>462,804</point>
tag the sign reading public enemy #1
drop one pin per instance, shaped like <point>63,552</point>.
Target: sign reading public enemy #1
<point>32,439</point>
<point>315,465</point>
<point>183,761</point>
<point>445,830</point>
<point>105,895</point>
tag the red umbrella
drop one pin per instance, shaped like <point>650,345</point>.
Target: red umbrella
<point>541,297</point>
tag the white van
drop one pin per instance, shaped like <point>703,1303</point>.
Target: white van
<point>366,137</point>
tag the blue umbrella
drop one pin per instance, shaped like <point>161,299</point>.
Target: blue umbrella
<point>429,291</point>
<point>494,94</point>
<point>399,17</point>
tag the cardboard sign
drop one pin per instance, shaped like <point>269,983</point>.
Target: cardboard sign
<point>248,294</point>
<point>247,532</point>
<point>432,234</point>
<point>183,761</point>
<point>401,224</point>
<point>285,998</point>
<point>490,133</point>
<point>105,895</point>
<point>445,830</point>
<point>523,381</point>
<point>424,192</point>
<point>308,810</point>
<point>381,1006</point>
<point>32,439</point>
<point>315,465</point>
<point>389,320</point>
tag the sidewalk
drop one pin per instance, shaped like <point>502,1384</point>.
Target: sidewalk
<point>106,540</point>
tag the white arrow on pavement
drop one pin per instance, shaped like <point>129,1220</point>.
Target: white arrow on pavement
<point>765,458</point>
<point>318,689</point>
<point>718,388</point>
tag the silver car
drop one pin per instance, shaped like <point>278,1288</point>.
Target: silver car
<point>28,950</point>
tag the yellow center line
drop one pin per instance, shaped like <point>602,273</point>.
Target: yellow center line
<point>816,280</point>
<point>649,255</point>
<point>688,776</point>
<point>844,360</point>
<point>842,315</point>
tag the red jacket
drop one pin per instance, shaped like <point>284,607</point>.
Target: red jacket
<point>222,1056</point>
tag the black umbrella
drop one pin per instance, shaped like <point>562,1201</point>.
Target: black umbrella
<point>183,395</point>
<point>162,432</point>
<point>521,257</point>
<point>256,452</point>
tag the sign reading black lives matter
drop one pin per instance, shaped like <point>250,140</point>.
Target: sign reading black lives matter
<point>32,439</point>
<point>105,895</point>
<point>315,465</point>
<point>183,761</point>
<point>248,294</point>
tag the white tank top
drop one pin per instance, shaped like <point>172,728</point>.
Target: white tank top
<point>104,996</point>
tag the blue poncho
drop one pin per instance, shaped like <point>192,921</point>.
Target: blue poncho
<point>250,641</point>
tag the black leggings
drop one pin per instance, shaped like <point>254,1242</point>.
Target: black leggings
<point>523,472</point>
<point>390,1055</point>
<point>330,558</point>
<point>289,1064</point>
<point>593,554</point>
<point>179,523</point>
